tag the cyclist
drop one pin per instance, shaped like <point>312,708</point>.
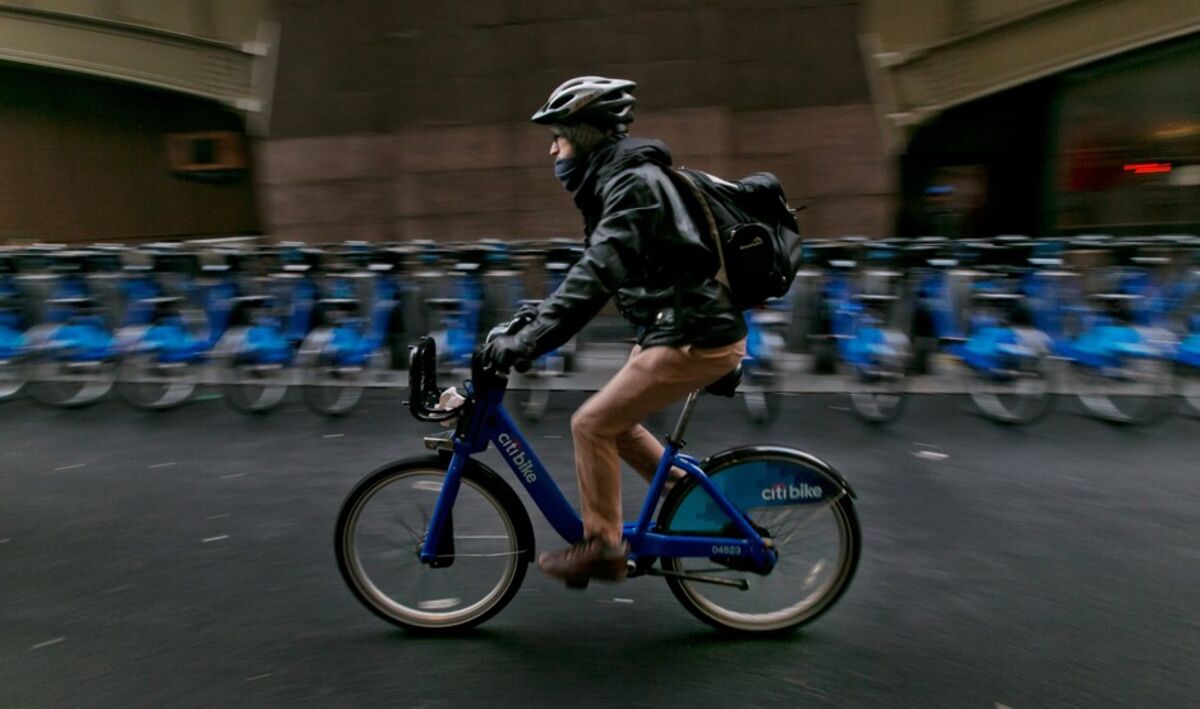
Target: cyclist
<point>644,248</point>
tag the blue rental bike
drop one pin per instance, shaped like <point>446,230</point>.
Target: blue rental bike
<point>1006,355</point>
<point>346,352</point>
<point>72,355</point>
<point>764,345</point>
<point>872,351</point>
<point>163,352</point>
<point>13,349</point>
<point>256,352</point>
<point>755,539</point>
<point>550,371</point>
<point>1121,360</point>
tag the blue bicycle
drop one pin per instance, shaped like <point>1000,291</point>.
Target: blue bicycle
<point>162,353</point>
<point>857,315</point>
<point>13,347</point>
<point>72,356</point>
<point>756,539</point>
<point>344,355</point>
<point>1007,355</point>
<point>764,345</point>
<point>549,371</point>
<point>1121,358</point>
<point>256,352</point>
<point>1187,363</point>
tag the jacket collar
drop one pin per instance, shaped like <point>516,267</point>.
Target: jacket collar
<point>607,160</point>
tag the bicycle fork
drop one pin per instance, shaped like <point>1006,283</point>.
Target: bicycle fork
<point>437,549</point>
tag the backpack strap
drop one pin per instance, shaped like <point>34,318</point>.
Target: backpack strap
<point>722,275</point>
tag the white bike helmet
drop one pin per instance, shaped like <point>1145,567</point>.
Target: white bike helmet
<point>605,103</point>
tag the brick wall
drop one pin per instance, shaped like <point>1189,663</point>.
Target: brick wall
<point>401,120</point>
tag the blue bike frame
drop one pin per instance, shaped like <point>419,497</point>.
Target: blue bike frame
<point>489,422</point>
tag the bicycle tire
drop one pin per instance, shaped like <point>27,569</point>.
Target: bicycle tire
<point>1147,410</point>
<point>1016,407</point>
<point>1188,385</point>
<point>476,477</point>
<point>13,377</point>
<point>848,529</point>
<point>247,394</point>
<point>170,393</point>
<point>316,363</point>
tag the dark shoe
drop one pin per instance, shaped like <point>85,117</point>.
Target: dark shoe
<point>591,559</point>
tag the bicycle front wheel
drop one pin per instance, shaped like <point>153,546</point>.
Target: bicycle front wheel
<point>794,502</point>
<point>481,563</point>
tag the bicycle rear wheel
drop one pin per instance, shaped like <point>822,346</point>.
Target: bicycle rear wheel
<point>1019,397</point>
<point>248,387</point>
<point>382,525</point>
<point>66,384</point>
<point>879,398</point>
<point>331,388</point>
<point>145,383</point>
<point>1188,379</point>
<point>13,375</point>
<point>1136,393</point>
<point>809,519</point>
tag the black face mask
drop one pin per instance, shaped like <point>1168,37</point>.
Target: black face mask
<point>569,172</point>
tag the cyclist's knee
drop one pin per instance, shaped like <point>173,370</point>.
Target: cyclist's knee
<point>590,422</point>
<point>582,422</point>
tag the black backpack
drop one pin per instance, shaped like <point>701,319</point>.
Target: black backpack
<point>758,240</point>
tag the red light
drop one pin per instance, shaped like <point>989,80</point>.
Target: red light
<point>1147,168</point>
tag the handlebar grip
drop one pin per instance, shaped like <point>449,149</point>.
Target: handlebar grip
<point>522,365</point>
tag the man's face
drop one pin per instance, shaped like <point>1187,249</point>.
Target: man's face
<point>561,148</point>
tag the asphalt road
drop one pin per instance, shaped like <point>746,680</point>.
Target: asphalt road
<point>185,559</point>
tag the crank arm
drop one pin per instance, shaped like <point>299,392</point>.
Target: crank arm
<point>741,584</point>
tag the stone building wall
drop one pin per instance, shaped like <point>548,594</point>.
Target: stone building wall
<point>402,120</point>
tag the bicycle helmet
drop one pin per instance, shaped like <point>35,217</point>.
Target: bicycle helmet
<point>605,103</point>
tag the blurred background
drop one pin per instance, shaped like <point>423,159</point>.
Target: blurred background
<point>259,205</point>
<point>386,121</point>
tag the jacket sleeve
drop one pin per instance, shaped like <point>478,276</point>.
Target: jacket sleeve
<point>631,211</point>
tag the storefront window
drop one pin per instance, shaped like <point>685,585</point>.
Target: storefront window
<point>1128,159</point>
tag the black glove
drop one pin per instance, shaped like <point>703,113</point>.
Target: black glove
<point>525,314</point>
<point>502,353</point>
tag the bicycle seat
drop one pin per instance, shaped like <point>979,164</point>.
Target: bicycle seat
<point>72,302</point>
<point>445,304</point>
<point>251,300</point>
<point>344,304</point>
<point>1114,297</point>
<point>768,318</point>
<point>997,297</point>
<point>728,384</point>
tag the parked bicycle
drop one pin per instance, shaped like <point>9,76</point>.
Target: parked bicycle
<point>13,346</point>
<point>265,329</point>
<point>1120,359</point>
<point>72,356</point>
<point>1008,358</point>
<point>343,356</point>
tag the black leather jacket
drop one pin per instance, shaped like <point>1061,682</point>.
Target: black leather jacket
<point>645,248</point>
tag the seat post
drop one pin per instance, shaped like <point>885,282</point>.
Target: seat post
<point>676,437</point>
